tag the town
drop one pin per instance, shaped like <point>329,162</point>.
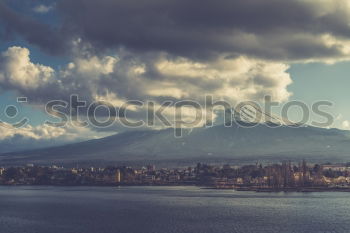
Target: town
<point>283,176</point>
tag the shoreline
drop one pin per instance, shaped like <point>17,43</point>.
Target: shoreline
<point>238,189</point>
<point>276,190</point>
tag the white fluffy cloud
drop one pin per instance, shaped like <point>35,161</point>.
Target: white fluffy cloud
<point>127,76</point>
<point>47,132</point>
<point>235,79</point>
<point>346,124</point>
<point>38,132</point>
<point>17,71</point>
<point>42,9</point>
<point>153,76</point>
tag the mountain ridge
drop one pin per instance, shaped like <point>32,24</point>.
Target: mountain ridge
<point>218,143</point>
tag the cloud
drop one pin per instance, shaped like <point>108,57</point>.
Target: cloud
<point>346,124</point>
<point>160,50</point>
<point>291,30</point>
<point>42,9</point>
<point>118,78</point>
<point>48,37</point>
<point>231,79</point>
<point>158,77</point>
<point>288,31</point>
<point>39,132</point>
<point>169,50</point>
<point>339,117</point>
<point>47,132</point>
<point>17,71</point>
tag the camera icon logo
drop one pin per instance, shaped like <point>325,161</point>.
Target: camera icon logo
<point>11,112</point>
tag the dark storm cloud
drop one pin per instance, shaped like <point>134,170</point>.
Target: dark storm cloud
<point>31,30</point>
<point>197,29</point>
<point>272,29</point>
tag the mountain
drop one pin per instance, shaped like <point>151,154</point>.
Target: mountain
<point>214,144</point>
<point>21,143</point>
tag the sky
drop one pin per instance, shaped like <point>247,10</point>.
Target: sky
<point>169,50</point>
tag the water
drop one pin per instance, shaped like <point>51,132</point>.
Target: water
<point>168,210</point>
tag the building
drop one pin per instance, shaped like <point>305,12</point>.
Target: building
<point>118,176</point>
<point>174,178</point>
<point>149,178</point>
<point>151,168</point>
<point>340,168</point>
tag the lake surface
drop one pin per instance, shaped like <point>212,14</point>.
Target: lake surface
<point>168,210</point>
